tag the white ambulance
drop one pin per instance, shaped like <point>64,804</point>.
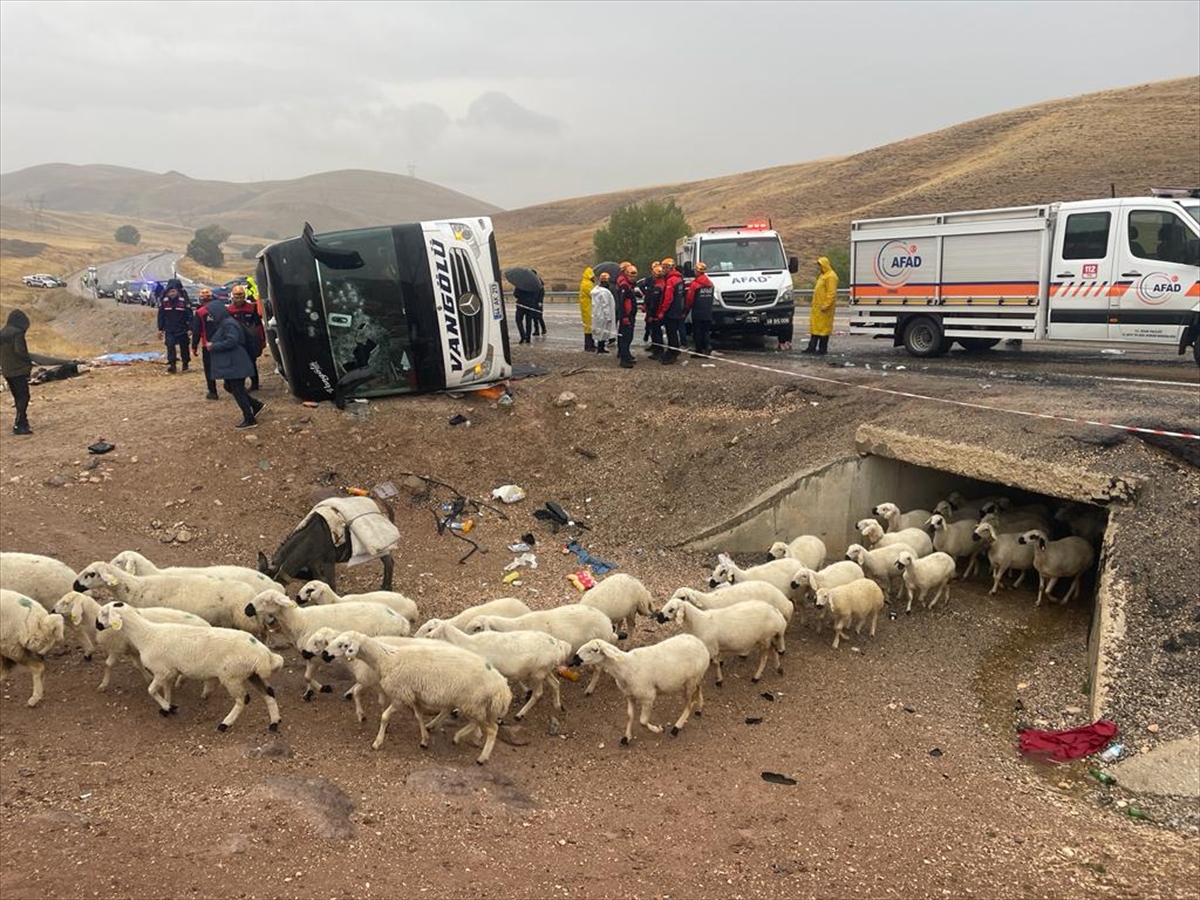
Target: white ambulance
<point>1125,269</point>
<point>751,276</point>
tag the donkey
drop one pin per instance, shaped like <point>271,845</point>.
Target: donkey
<point>309,553</point>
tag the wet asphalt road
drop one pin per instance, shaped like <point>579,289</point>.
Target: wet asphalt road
<point>1057,362</point>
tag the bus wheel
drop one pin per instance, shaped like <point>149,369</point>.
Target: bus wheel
<point>978,345</point>
<point>923,337</point>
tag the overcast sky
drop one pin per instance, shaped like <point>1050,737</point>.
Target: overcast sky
<point>517,103</point>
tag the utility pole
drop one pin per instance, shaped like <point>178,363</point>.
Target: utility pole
<point>412,171</point>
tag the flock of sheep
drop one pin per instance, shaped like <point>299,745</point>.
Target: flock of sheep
<point>209,624</point>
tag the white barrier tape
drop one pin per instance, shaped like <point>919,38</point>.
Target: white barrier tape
<point>962,403</point>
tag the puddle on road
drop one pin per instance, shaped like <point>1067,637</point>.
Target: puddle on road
<point>1032,640</point>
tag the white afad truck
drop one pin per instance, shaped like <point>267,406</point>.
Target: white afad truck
<point>1119,270</point>
<point>751,276</point>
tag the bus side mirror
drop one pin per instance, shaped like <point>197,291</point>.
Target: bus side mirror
<point>689,271</point>
<point>793,265</point>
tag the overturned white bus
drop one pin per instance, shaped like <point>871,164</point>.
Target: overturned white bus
<point>389,310</point>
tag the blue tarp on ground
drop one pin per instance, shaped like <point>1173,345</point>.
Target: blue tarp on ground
<point>117,358</point>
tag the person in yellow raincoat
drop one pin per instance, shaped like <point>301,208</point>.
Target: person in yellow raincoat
<point>824,301</point>
<point>585,308</point>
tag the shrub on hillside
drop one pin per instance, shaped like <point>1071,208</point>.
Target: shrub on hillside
<point>205,246</point>
<point>127,234</point>
<point>641,233</point>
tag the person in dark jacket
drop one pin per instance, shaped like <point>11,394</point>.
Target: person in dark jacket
<point>230,361</point>
<point>247,314</point>
<point>525,310</point>
<point>671,309</point>
<point>627,304</point>
<point>201,327</point>
<point>16,362</point>
<point>174,319</point>
<point>653,291</point>
<point>700,305</point>
<point>538,317</point>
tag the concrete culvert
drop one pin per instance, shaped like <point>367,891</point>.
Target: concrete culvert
<point>916,473</point>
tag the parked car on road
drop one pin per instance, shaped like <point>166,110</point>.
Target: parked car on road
<point>43,280</point>
<point>107,290</point>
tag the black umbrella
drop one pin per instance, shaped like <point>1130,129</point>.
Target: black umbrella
<point>613,269</point>
<point>523,279</point>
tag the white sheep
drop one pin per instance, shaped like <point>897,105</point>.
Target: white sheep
<point>851,604</point>
<point>1015,521</point>
<point>1005,553</point>
<point>297,623</point>
<point>364,676</point>
<point>956,539</point>
<point>880,565</point>
<point>44,579</point>
<point>1068,558</point>
<point>736,630</point>
<point>807,548</point>
<point>807,581</point>
<point>40,578</point>
<point>135,564</point>
<point>957,508</point>
<point>676,665</point>
<point>321,594</point>
<point>503,606</point>
<point>239,661</point>
<point>730,594</point>
<point>778,572</point>
<point>1082,519</point>
<point>219,602</point>
<point>622,598</point>
<point>432,675</point>
<point>573,623</point>
<point>914,538</point>
<point>27,634</point>
<point>895,520</point>
<point>527,657</point>
<point>81,611</point>
<point>926,575</point>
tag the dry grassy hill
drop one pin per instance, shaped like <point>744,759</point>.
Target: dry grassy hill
<point>329,200</point>
<point>1135,138</point>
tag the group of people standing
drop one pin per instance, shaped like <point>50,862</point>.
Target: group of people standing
<point>228,339</point>
<point>668,301</point>
<point>609,311</point>
<point>531,321</point>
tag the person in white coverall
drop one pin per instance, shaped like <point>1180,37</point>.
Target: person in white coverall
<point>604,314</point>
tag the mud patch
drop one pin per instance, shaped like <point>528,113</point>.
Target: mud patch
<point>479,784</point>
<point>321,801</point>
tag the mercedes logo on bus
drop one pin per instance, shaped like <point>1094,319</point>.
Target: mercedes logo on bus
<point>470,304</point>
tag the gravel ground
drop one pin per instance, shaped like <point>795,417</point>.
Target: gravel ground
<point>101,796</point>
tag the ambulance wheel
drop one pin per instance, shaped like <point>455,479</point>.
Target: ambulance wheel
<point>978,345</point>
<point>923,337</point>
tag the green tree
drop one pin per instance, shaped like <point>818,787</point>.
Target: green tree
<point>641,233</point>
<point>127,234</point>
<point>205,246</point>
<point>839,259</point>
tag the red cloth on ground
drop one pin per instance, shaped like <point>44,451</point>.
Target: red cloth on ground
<point>1070,744</point>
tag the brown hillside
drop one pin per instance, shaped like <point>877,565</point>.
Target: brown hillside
<point>1070,149</point>
<point>329,200</point>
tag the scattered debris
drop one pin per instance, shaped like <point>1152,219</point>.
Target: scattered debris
<point>509,493</point>
<point>936,751</point>
<point>101,446</point>
<point>776,778</point>
<point>459,419</point>
<point>1113,753</point>
<point>754,720</point>
<point>1070,744</point>
<point>586,453</point>
<point>599,566</point>
<point>565,399</point>
<point>385,491</point>
<point>768,695</point>
<point>525,559</point>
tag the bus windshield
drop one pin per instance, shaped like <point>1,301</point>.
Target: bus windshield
<point>742,254</point>
<point>364,313</point>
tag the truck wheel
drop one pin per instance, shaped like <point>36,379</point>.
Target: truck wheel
<point>785,334</point>
<point>978,345</point>
<point>923,337</point>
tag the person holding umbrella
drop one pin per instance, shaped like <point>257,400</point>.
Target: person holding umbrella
<point>526,285</point>
<point>538,317</point>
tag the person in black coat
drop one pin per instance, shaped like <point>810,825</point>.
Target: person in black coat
<point>538,301</point>
<point>231,362</point>
<point>174,320</point>
<point>525,313</point>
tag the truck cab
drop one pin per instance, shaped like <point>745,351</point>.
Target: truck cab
<point>751,276</point>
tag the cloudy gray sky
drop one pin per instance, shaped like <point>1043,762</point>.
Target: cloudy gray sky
<point>517,103</point>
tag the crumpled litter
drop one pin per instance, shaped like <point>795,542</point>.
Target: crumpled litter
<point>599,566</point>
<point>509,493</point>
<point>1070,744</point>
<point>525,559</point>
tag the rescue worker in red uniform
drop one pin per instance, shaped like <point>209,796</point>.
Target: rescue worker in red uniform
<point>201,324</point>
<point>247,314</point>
<point>671,309</point>
<point>700,305</point>
<point>627,304</point>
